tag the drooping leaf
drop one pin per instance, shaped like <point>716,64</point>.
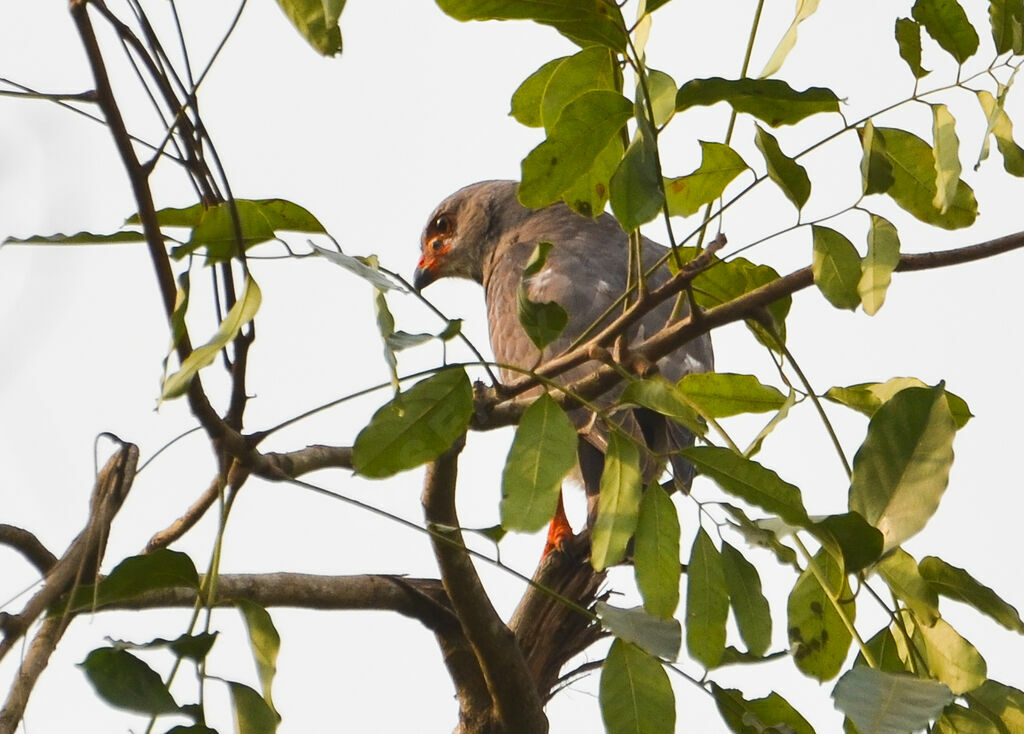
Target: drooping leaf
<point>769,100</point>
<point>365,267</point>
<point>133,577</point>
<point>78,238</point>
<point>900,572</point>
<point>542,453</point>
<point>661,396</point>
<point>867,397</point>
<point>948,24</point>
<point>253,715</point>
<point>999,124</point>
<point>804,10</point>
<point>728,280</point>
<point>908,37</point>
<point>125,681</point>
<point>836,267</point>
<point>317,22</point>
<point>956,719</point>
<point>875,166</point>
<point>719,165</point>
<point>657,636</point>
<point>889,703</point>
<point>787,174</point>
<point>417,426</point>
<point>259,220</point>
<point>877,266</point>
<point>241,313</point>
<point>914,188</point>
<point>722,394</point>
<point>1007,20</point>
<point>858,543</point>
<point>750,481</point>
<point>947,157</point>
<point>951,658</point>
<point>635,694</point>
<point>636,195</point>
<point>542,321</point>
<point>583,130</point>
<point>662,89</point>
<point>618,504</point>
<point>819,638</point>
<point>885,652</point>
<point>772,713</point>
<point>956,583</point>
<point>386,326</point>
<point>749,605</point>
<point>1006,702</point>
<point>759,536</point>
<point>265,643</point>
<point>901,470</point>
<point>780,415</point>
<point>581,21</point>
<point>707,602</point>
<point>656,553</point>
<point>591,69</point>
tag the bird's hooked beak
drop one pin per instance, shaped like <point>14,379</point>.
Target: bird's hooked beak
<point>423,276</point>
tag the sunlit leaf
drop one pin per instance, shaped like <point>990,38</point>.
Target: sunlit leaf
<point>901,470</point>
<point>749,605</point>
<point>956,583</point>
<point>417,426</point>
<point>1006,702</point>
<point>770,714</point>
<point>877,266</point>
<point>241,313</point>
<point>658,636</point>
<point>819,638</point>
<point>787,174</point>
<point>636,196</point>
<point>542,453</point>
<point>889,703</point>
<point>908,37</point>
<point>592,69</point>
<point>719,165</point>
<point>317,21</point>
<point>999,124</point>
<point>635,694</point>
<point>948,24</point>
<point>125,681</point>
<point>769,100</point>
<point>656,552</point>
<point>662,89</point>
<point>722,394</point>
<point>780,415</point>
<point>867,397</point>
<point>542,321</point>
<point>951,658</point>
<point>836,267</point>
<point>947,157</point>
<point>618,504</point>
<point>265,643</point>
<point>900,572</point>
<point>707,602</point>
<point>526,99</point>
<point>253,715</point>
<point>804,10</point>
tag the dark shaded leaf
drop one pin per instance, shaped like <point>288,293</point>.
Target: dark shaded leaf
<point>719,165</point>
<point>707,602</point>
<point>908,36</point>
<point>1007,20</point>
<point>661,396</point>
<point>79,238</point>
<point>542,321</point>
<point>817,633</point>
<point>125,681</point>
<point>836,267</point>
<point>875,168</point>
<point>618,504</point>
<point>787,174</point>
<point>956,583</point>
<point>889,703</point>
<point>728,280</point>
<point>635,694</point>
<point>656,552</point>
<point>749,605</point>
<point>417,426</point>
<point>134,577</point>
<point>948,24</point>
<point>769,100</point>
<point>859,543</point>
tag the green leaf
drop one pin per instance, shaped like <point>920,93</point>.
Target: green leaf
<point>658,394</point>
<point>885,651</point>
<point>769,100</point>
<point>749,605</point>
<point>900,572</point>
<point>526,99</point>
<point>662,89</point>
<point>769,715</point>
<point>1006,702</point>
<point>589,195</point>
<point>241,313</point>
<point>542,321</point>
<point>618,504</point>
<point>194,729</point>
<point>947,157</point>
<point>542,453</point>
<point>417,426</point>
<point>914,188</point>
<point>265,643</point>
<point>901,470</point>
<point>584,128</point>
<point>656,554</point>
<point>948,24</point>
<point>749,481</point>
<point>951,658</point>
<point>889,703</point>
<point>259,221</point>
<point>253,715</point>
<point>780,415</point>
<point>804,10</point>
<point>760,536</point>
<point>133,577</point>
<point>959,720</point>
<point>878,265</point>
<point>836,267</point>
<point>592,69</point>
<point>858,543</point>
<point>125,681</point>
<point>79,238</point>
<point>707,602</point>
<point>817,634</point>
<point>728,280</point>
<point>635,694</point>
<point>188,216</point>
<point>636,195</point>
<point>719,165</point>
<point>365,267</point>
<point>582,21</point>
<point>999,124</point>
<point>787,174</point>
<point>656,635</point>
<point>908,36</point>
<point>956,583</point>
<point>1007,20</point>
<point>875,168</point>
<point>722,394</point>
<point>386,326</point>
<point>317,22</point>
<point>868,397</point>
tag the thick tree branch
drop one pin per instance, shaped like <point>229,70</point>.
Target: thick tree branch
<point>515,704</point>
<point>39,652</point>
<point>294,464</point>
<point>29,546</point>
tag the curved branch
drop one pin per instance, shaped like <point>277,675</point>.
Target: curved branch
<point>29,546</point>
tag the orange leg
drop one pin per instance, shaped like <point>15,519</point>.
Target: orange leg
<point>559,531</point>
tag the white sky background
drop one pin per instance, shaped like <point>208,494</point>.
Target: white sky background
<point>415,107</point>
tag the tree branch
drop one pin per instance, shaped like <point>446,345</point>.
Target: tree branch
<point>29,546</point>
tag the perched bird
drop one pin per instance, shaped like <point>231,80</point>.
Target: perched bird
<point>482,232</point>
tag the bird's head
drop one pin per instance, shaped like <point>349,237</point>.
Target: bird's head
<point>464,229</point>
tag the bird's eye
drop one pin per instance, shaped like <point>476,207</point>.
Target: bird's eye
<point>443,224</point>
<point>437,244</point>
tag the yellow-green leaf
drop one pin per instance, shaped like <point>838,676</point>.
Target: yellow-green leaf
<point>952,659</point>
<point>722,394</point>
<point>836,267</point>
<point>618,505</point>
<point>881,260</point>
<point>635,694</point>
<point>947,157</point>
<point>707,602</point>
<point>719,165</point>
<point>804,10</point>
<point>656,555</point>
